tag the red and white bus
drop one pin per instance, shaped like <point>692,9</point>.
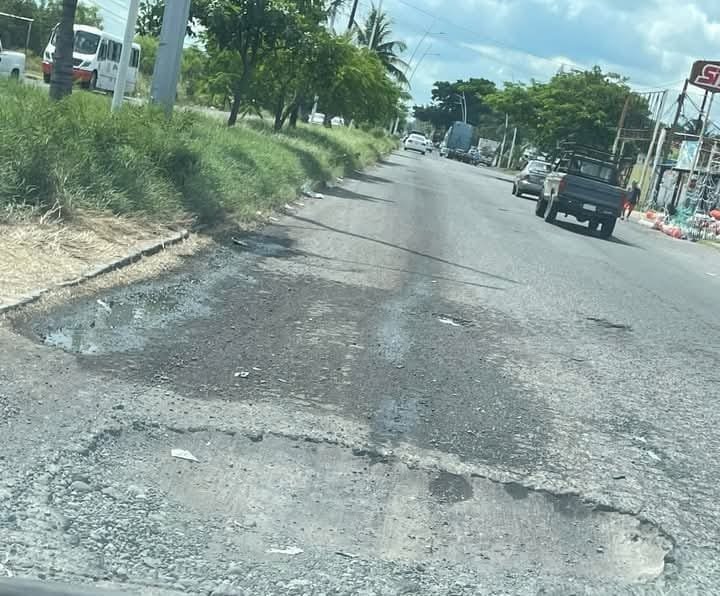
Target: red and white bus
<point>96,59</point>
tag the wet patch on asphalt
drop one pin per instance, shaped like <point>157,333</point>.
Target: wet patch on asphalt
<point>284,492</point>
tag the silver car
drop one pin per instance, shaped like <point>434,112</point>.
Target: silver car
<point>531,179</point>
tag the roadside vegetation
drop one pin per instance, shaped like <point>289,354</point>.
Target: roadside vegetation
<point>73,155</point>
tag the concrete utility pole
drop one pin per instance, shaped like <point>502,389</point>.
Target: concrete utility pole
<point>502,146</point>
<point>658,117</point>
<point>378,14</point>
<point>121,79</point>
<point>705,116</point>
<point>512,148</point>
<point>167,63</point>
<point>621,124</point>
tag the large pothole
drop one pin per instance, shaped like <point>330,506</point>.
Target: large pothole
<point>254,494</point>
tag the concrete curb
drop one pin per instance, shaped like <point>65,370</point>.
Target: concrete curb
<point>146,250</point>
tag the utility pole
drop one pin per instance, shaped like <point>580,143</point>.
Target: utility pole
<point>512,148</point>
<point>121,79</point>
<point>658,116</point>
<point>169,55</point>
<point>705,118</point>
<point>681,103</point>
<point>353,12</point>
<point>655,179</point>
<point>621,124</point>
<point>502,146</point>
<point>378,15</point>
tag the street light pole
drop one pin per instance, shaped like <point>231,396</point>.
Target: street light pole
<point>121,79</point>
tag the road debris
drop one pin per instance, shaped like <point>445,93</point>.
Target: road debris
<point>291,550</point>
<point>240,242</point>
<point>243,374</point>
<point>346,555</point>
<point>183,454</point>
<point>105,306</point>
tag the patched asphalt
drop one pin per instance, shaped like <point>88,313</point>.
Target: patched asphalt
<point>411,385</point>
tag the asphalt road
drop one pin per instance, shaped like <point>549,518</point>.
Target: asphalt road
<point>412,385</point>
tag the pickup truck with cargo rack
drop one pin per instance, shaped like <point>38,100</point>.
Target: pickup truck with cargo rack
<point>585,183</point>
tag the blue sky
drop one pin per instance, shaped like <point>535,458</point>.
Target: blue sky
<point>653,42</point>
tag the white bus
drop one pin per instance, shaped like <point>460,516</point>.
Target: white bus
<point>96,59</point>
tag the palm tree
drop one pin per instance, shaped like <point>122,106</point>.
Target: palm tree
<point>387,49</point>
<point>61,82</point>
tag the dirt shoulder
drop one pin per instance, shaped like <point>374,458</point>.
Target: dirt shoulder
<point>37,255</point>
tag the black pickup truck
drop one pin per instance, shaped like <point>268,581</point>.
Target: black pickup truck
<point>584,183</point>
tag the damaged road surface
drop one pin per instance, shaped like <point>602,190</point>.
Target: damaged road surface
<point>409,386</point>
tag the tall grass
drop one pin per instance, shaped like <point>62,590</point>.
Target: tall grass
<point>74,154</point>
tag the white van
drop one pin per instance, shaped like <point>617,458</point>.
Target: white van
<point>96,59</point>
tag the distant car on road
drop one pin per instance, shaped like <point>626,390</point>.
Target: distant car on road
<point>415,142</point>
<point>530,181</point>
<point>12,64</point>
<point>429,145</point>
<point>584,183</point>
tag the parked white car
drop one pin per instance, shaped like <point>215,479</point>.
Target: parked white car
<point>12,64</point>
<point>415,142</point>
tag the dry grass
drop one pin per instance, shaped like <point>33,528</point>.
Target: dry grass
<point>36,255</point>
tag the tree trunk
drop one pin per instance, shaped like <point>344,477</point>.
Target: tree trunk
<point>240,88</point>
<point>61,82</point>
<point>294,115</point>
<point>279,113</point>
<point>234,109</point>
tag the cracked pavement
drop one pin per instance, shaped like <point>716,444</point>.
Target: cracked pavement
<point>410,386</point>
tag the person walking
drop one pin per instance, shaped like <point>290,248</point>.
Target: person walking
<point>631,201</point>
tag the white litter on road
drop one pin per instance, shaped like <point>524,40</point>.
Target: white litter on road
<point>447,321</point>
<point>183,454</point>
<point>291,550</point>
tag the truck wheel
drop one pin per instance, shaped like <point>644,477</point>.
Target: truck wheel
<point>593,226</point>
<point>551,212</point>
<point>46,78</point>
<point>607,228</point>
<point>540,206</point>
<point>15,75</point>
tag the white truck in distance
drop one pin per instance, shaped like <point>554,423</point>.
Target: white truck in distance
<point>12,64</point>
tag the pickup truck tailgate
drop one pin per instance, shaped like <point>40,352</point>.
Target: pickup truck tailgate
<point>593,192</point>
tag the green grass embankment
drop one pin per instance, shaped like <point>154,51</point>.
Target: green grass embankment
<point>75,155</point>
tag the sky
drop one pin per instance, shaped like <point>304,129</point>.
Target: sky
<point>652,42</point>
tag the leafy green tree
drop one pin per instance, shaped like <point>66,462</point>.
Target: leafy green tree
<point>148,53</point>
<point>583,106</point>
<point>446,107</point>
<point>149,22</point>
<point>378,29</point>
<point>238,34</point>
<point>192,71</point>
<point>359,89</point>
